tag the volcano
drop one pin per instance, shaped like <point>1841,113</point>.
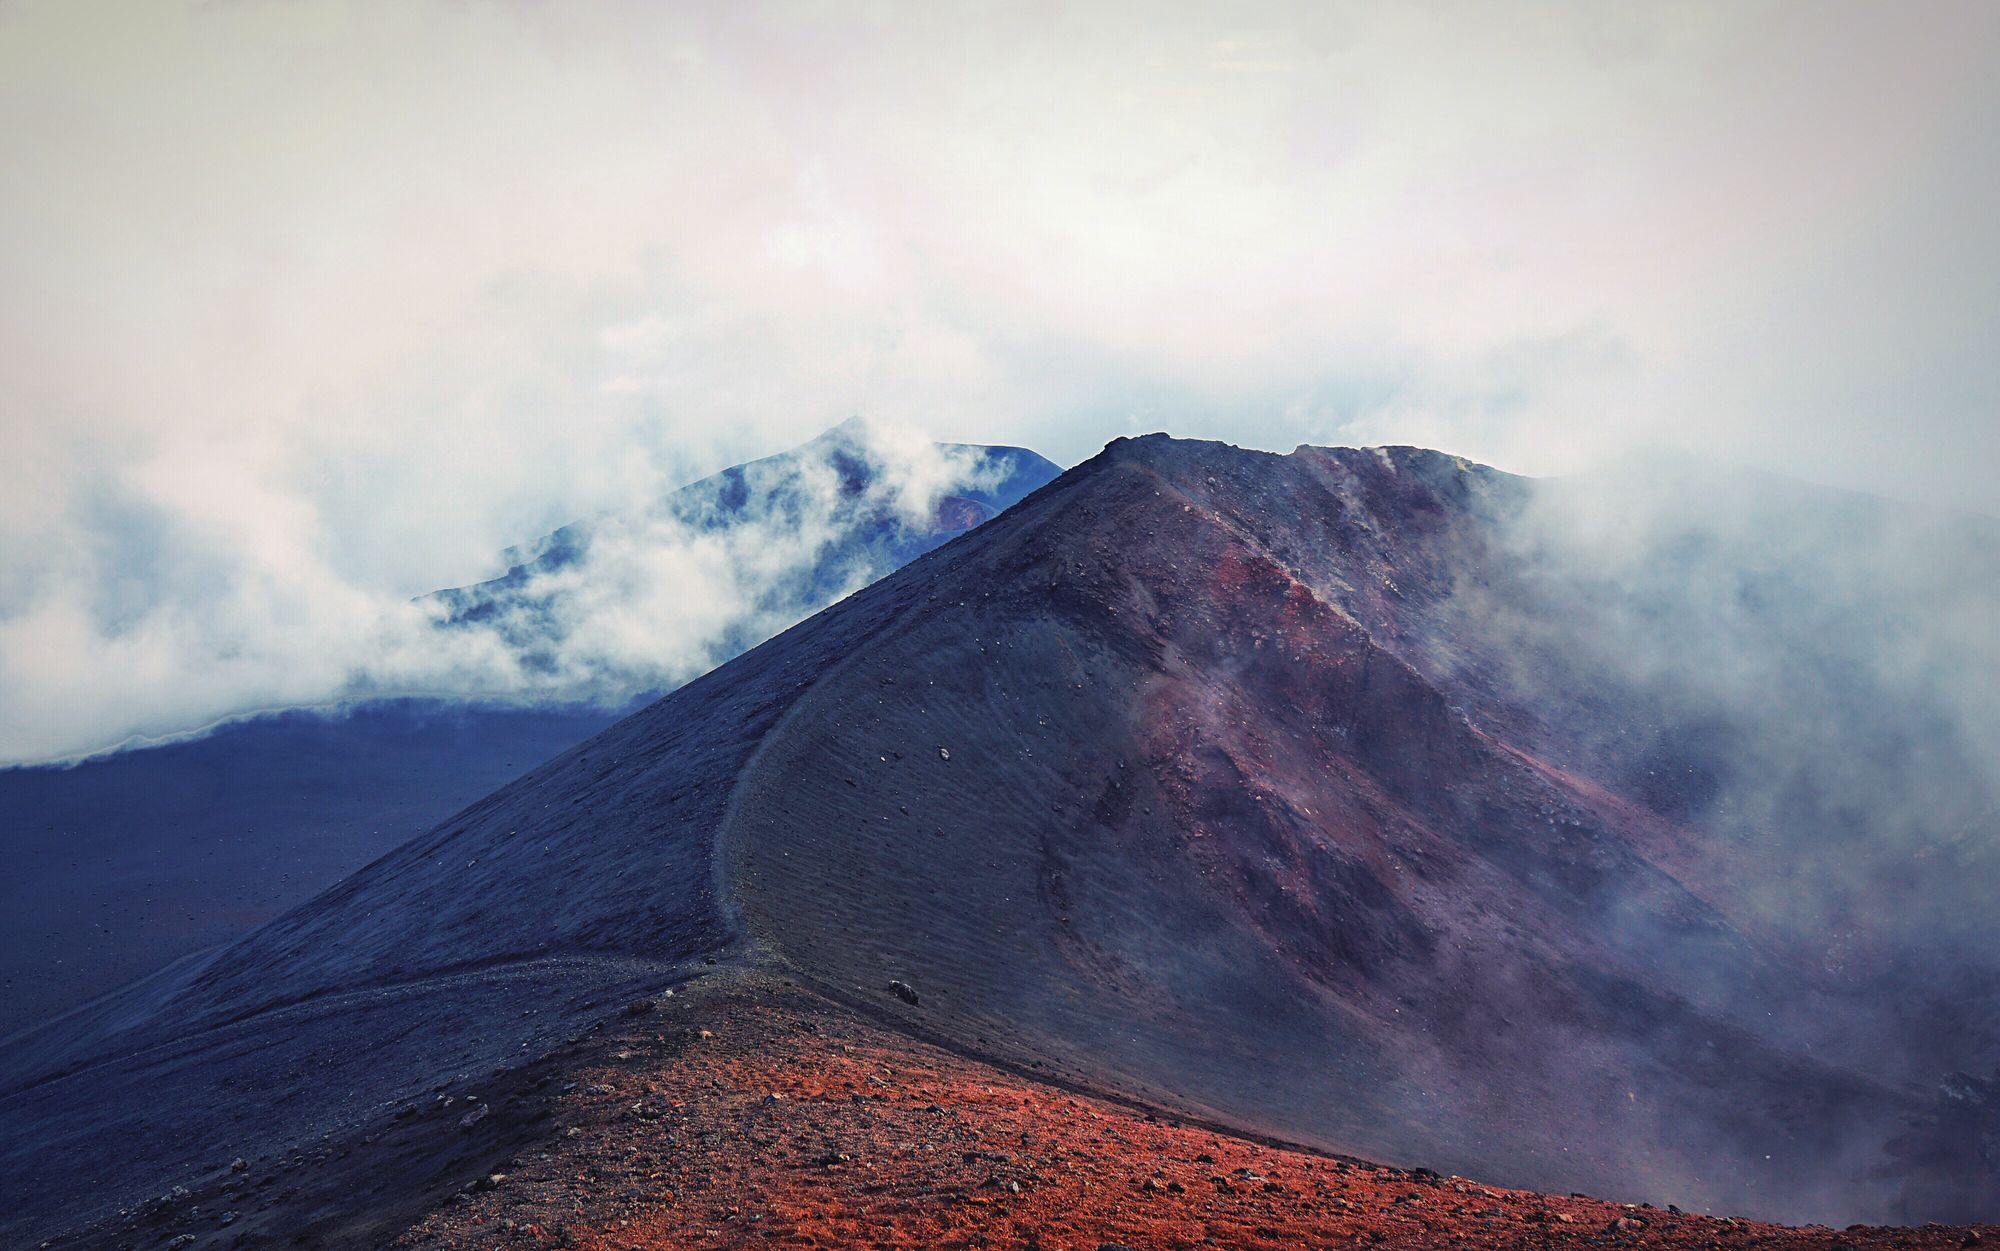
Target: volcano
<point>1316,800</point>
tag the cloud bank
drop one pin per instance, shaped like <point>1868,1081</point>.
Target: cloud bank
<point>307,310</point>
<point>607,610</point>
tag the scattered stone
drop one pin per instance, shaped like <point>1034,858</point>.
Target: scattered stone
<point>639,1007</point>
<point>473,1117</point>
<point>944,753</point>
<point>241,1165</point>
<point>903,991</point>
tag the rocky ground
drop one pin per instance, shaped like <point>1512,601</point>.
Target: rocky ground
<point>752,1113</point>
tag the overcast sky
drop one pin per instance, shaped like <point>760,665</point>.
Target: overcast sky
<point>305,308</point>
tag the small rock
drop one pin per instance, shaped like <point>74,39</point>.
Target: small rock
<point>241,1165</point>
<point>638,1007</point>
<point>944,753</point>
<point>903,991</point>
<point>473,1117</point>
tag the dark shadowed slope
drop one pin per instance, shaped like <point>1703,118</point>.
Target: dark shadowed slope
<point>1196,777</point>
<point>123,862</point>
<point>127,861</point>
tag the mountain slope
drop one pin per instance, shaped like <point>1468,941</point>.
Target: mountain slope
<point>1206,777</point>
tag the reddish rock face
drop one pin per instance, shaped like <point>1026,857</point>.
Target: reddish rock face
<point>955,512</point>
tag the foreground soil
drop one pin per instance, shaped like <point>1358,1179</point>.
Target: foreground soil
<point>749,1112</point>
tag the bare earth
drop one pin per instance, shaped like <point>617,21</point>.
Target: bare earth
<point>746,1111</point>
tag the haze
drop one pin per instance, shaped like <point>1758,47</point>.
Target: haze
<point>305,311</point>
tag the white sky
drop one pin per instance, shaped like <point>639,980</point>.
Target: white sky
<point>308,307</point>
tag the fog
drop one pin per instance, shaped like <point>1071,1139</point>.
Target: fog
<point>1794,691</point>
<point>306,311</point>
<point>640,602</point>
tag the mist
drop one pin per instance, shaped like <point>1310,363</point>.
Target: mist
<point>641,602</point>
<point>1794,689</point>
<point>307,312</point>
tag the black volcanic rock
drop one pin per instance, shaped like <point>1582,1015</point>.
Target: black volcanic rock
<point>1297,793</point>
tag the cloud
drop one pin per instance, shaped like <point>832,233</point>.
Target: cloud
<point>633,603</point>
<point>628,604</point>
<point>306,310</point>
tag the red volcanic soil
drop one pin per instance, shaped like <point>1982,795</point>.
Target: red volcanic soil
<point>746,1111</point>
